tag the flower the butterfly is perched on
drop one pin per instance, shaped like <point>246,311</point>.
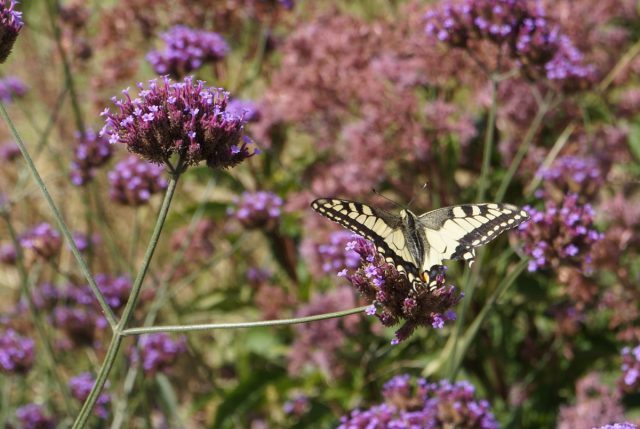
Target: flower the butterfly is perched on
<point>414,244</point>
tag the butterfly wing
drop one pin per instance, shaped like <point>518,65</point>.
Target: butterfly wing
<point>455,232</point>
<point>380,227</point>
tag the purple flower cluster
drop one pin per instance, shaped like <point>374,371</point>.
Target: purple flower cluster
<point>625,425</point>
<point>261,209</point>
<point>158,352</point>
<point>537,46</point>
<point>11,88</point>
<point>410,403</point>
<point>115,289</point>
<point>334,256</point>
<point>186,50</point>
<point>81,386</point>
<point>9,151</point>
<point>245,109</point>
<point>631,369</point>
<point>560,234</point>
<point>10,25</point>
<point>74,312</point>
<point>32,416</point>
<point>41,241</point>
<point>572,174</point>
<point>179,118</point>
<point>394,298</point>
<point>133,181</point>
<point>92,151</point>
<point>16,352</point>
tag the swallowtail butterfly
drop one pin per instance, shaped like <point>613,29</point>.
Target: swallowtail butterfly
<point>416,243</point>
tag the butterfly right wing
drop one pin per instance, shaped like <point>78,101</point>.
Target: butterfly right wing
<point>378,226</point>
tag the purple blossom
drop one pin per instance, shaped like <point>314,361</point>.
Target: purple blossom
<point>32,416</point>
<point>410,403</point>
<point>115,289</point>
<point>625,425</point>
<point>395,298</point>
<point>560,235</point>
<point>81,386</point>
<point>133,181</point>
<point>16,352</point>
<point>9,151</point>
<point>42,241</point>
<point>572,174</point>
<point>519,27</point>
<point>245,109</point>
<point>261,209</point>
<point>11,87</point>
<point>10,25</point>
<point>158,352</point>
<point>335,255</point>
<point>91,152</point>
<point>186,119</point>
<point>186,50</point>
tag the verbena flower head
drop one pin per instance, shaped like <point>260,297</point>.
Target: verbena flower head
<point>16,352</point>
<point>115,289</point>
<point>42,241</point>
<point>334,256</point>
<point>92,151</point>
<point>12,87</point>
<point>630,380</point>
<point>261,209</point>
<point>158,352</point>
<point>246,109</point>
<point>625,425</point>
<point>9,151</point>
<point>572,174</point>
<point>186,50</point>
<point>520,28</point>
<point>133,181</point>
<point>560,235</point>
<point>32,416</point>
<point>186,119</point>
<point>394,298</point>
<point>81,386</point>
<point>10,25</point>
<point>411,403</point>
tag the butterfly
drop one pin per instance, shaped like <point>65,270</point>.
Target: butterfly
<point>414,244</point>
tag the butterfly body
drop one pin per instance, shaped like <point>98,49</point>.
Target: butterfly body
<point>415,243</point>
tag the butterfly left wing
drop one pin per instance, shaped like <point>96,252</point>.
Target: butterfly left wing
<point>455,232</point>
<point>380,227</point>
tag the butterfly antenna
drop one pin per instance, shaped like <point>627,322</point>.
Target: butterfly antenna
<point>387,198</point>
<point>425,186</point>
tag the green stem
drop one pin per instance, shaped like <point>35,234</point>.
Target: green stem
<point>522,151</point>
<point>551,156</point>
<point>127,313</point>
<point>488,141</point>
<point>261,323</point>
<point>473,329</point>
<point>75,104</point>
<point>36,316</point>
<point>106,310</point>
